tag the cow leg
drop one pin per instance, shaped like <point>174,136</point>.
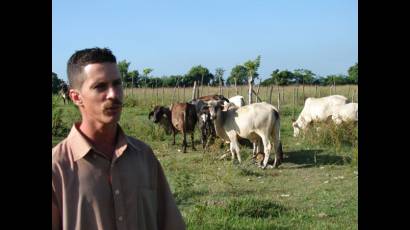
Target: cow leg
<point>234,147</point>
<point>184,144</point>
<point>266,147</point>
<point>278,147</point>
<point>203,137</point>
<point>173,133</point>
<point>192,140</point>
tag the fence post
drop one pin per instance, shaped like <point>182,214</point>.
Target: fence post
<point>354,92</point>
<point>163,94</point>
<point>297,94</point>
<point>194,91</point>
<point>270,94</point>
<point>293,110</point>
<point>236,88</point>
<point>315,90</point>
<point>283,94</point>
<point>183,100</point>
<point>278,96</point>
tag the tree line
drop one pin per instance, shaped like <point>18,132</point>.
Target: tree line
<point>239,75</point>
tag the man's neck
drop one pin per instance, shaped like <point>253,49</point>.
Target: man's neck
<point>102,137</point>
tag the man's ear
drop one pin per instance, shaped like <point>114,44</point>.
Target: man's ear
<point>76,97</point>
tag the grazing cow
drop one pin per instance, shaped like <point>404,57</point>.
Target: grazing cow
<point>258,122</point>
<point>346,112</point>
<point>162,116</point>
<point>183,118</point>
<point>206,126</point>
<point>316,109</point>
<point>64,92</point>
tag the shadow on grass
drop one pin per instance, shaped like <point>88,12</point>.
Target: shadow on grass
<point>313,158</point>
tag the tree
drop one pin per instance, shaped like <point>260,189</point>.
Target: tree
<point>133,78</point>
<point>145,78</point>
<point>354,73</point>
<point>56,83</point>
<point>304,76</point>
<point>284,77</point>
<point>252,68</point>
<point>219,72</point>
<point>239,72</point>
<point>123,68</point>
<point>198,74</point>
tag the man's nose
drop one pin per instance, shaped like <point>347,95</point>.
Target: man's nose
<point>114,92</point>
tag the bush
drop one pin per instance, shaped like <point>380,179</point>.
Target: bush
<point>57,127</point>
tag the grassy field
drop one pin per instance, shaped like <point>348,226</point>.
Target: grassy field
<point>315,187</point>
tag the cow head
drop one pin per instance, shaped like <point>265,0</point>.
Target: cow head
<point>159,112</point>
<point>214,108</point>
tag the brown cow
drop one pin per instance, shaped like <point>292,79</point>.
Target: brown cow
<point>183,118</point>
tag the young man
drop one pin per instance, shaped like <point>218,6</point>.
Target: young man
<point>101,178</point>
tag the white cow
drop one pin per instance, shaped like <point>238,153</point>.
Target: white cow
<point>346,112</point>
<point>237,101</point>
<point>258,122</point>
<point>316,109</point>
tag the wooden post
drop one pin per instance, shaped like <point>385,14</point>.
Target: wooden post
<point>315,90</point>
<point>156,97</point>
<point>348,92</point>
<point>249,90</point>
<point>297,94</point>
<point>319,91</point>
<point>354,92</point>
<point>152,95</point>
<point>194,91</point>
<point>173,94</point>
<point>283,94</point>
<point>257,92</point>
<point>144,96</point>
<point>202,85</point>
<point>278,96</point>
<point>178,93</point>
<point>163,95</point>
<point>270,94</point>
<point>293,111</point>
<point>236,88</point>
<point>183,100</point>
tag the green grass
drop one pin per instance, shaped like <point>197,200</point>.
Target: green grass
<point>315,187</point>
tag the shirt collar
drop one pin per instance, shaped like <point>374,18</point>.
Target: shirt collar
<point>81,146</point>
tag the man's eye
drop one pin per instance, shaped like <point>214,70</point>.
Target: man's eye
<point>100,86</point>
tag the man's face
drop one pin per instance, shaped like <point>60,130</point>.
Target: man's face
<point>100,96</point>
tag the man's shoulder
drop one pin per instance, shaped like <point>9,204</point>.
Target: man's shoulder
<point>60,151</point>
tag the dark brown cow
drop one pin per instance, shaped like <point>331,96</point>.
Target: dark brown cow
<point>183,118</point>
<point>64,92</point>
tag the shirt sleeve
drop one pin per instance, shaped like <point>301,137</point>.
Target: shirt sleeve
<point>169,214</point>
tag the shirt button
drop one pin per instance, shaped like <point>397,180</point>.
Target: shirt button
<point>117,192</point>
<point>120,218</point>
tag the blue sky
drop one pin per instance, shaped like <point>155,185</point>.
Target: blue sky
<point>173,36</point>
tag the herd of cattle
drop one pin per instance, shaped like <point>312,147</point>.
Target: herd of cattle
<point>231,120</point>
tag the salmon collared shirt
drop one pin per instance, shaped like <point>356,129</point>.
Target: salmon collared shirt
<point>94,193</point>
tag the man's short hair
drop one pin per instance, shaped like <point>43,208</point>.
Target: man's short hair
<point>81,58</point>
